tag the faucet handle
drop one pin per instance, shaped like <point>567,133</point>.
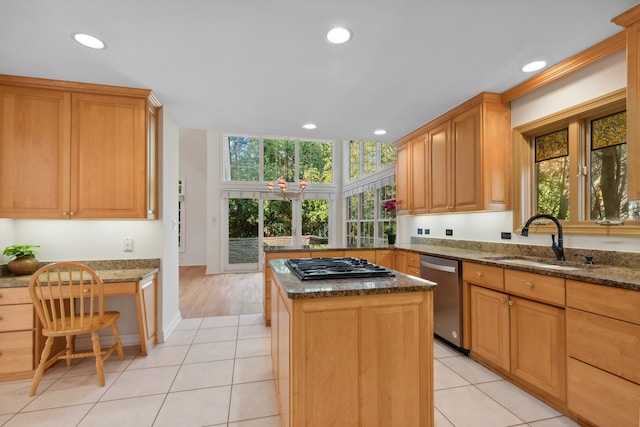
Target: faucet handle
<point>587,259</point>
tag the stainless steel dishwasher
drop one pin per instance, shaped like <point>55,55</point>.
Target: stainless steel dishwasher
<point>447,304</point>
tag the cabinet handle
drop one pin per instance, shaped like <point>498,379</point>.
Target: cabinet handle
<point>479,273</point>
<point>502,300</point>
<point>510,302</point>
<point>529,285</point>
<point>72,213</point>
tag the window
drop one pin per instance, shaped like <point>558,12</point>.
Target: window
<point>316,161</point>
<point>367,219</point>
<point>366,158</point>
<point>244,158</point>
<point>573,165</point>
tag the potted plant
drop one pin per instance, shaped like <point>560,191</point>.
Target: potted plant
<point>390,231</point>
<point>24,259</point>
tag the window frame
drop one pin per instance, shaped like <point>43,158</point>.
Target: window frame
<point>524,168</point>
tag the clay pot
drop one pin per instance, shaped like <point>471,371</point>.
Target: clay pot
<point>24,265</point>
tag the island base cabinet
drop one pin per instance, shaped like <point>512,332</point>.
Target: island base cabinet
<point>354,360</point>
<point>600,398</point>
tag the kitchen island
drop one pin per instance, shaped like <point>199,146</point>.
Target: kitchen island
<point>350,352</point>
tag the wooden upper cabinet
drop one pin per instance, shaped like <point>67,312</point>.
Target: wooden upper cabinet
<point>109,163</point>
<point>403,181</point>
<point>467,159</point>
<point>75,150</point>
<point>34,152</point>
<point>439,167</point>
<point>418,185</point>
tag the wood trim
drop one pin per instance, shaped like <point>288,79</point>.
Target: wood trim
<point>628,18</point>
<point>78,87</point>
<point>476,100</point>
<point>582,59</point>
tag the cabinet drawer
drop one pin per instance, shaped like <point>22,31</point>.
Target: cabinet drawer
<point>605,300</point>
<point>16,351</point>
<point>413,260</point>
<point>16,317</point>
<point>601,398</point>
<point>413,271</point>
<point>607,343</point>
<point>535,286</point>
<point>483,275</point>
<point>15,296</point>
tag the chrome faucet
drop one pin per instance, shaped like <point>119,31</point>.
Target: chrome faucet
<point>556,247</point>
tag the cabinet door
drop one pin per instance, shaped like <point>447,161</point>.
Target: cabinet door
<point>400,261</point>
<point>403,205</point>
<point>384,257</point>
<point>538,345</point>
<point>109,157</point>
<point>490,326</point>
<point>439,165</point>
<point>418,180</point>
<point>34,152</point>
<point>148,306</point>
<point>465,143</point>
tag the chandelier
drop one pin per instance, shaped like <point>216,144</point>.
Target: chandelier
<point>284,189</point>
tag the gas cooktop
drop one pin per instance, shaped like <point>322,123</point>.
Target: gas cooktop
<point>335,268</point>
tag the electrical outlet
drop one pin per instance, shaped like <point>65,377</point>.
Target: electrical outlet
<point>427,231</point>
<point>419,230</point>
<point>128,244</point>
<point>448,232</point>
<point>505,235</point>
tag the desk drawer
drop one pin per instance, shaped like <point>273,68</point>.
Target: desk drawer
<point>16,351</point>
<point>15,296</point>
<point>535,286</point>
<point>17,317</point>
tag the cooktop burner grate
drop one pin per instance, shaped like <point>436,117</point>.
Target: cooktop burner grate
<point>335,268</point>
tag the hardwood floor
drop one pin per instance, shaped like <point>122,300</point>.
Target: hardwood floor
<point>203,295</point>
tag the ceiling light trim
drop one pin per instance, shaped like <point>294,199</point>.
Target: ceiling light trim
<point>339,35</point>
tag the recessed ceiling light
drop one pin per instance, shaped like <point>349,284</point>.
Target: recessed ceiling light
<point>380,132</point>
<point>309,126</point>
<point>89,41</point>
<point>338,35</point>
<point>534,66</point>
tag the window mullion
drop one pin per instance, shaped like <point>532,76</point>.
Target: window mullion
<point>576,180</point>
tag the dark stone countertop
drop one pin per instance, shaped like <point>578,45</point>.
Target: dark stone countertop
<point>296,288</point>
<point>617,269</point>
<point>110,271</point>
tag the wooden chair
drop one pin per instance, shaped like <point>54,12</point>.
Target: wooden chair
<point>69,300</point>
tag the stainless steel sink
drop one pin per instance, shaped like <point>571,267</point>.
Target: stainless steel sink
<point>534,263</point>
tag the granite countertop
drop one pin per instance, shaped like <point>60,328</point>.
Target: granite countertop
<point>296,288</point>
<point>110,271</point>
<point>617,269</point>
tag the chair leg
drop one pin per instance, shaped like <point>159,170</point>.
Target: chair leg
<point>95,339</point>
<point>116,336</point>
<point>70,348</point>
<point>48,345</point>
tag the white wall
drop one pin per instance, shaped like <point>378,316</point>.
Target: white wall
<point>594,80</point>
<point>169,292</point>
<point>7,236</point>
<point>193,172</point>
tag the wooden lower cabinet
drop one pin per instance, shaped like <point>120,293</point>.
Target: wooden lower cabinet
<point>413,264</point>
<point>268,256</point>
<point>522,338</point>
<point>385,258</point>
<point>603,347</point>
<point>356,360</point>
<point>17,329</point>
<point>538,345</point>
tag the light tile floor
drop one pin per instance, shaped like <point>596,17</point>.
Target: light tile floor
<point>216,371</point>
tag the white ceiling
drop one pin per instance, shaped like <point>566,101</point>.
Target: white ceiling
<point>264,66</point>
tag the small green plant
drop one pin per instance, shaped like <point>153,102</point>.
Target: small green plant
<point>20,251</point>
<point>390,229</point>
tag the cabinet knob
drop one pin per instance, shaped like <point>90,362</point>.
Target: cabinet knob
<point>479,273</point>
<point>529,285</point>
<point>502,300</point>
<point>72,213</point>
<point>510,302</point>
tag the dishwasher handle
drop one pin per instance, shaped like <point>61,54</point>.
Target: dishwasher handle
<point>445,268</point>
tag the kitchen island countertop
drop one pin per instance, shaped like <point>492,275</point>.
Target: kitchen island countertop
<point>296,288</point>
